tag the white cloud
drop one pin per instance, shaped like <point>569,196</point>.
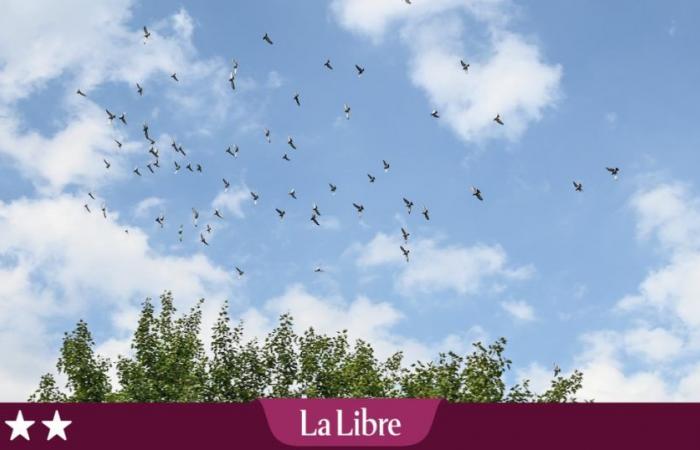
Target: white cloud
<point>58,262</point>
<point>656,344</point>
<point>507,76</point>
<point>435,267</point>
<point>146,205</point>
<point>519,309</point>
<point>233,201</point>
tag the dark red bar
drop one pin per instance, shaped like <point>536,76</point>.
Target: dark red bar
<point>455,426</point>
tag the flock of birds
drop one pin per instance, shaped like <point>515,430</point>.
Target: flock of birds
<point>233,151</point>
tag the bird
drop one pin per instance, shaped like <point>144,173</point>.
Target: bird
<point>177,166</point>
<point>179,233</point>
<point>119,144</point>
<point>234,67</point>
<point>435,114</point>
<point>122,117</point>
<point>217,213</point>
<point>208,229</point>
<point>154,151</point>
<point>371,178</point>
<point>318,270</point>
<point>202,240</point>
<point>139,89</point>
<point>328,64</point>
<point>314,219</point>
<point>408,203</point>
<point>144,127</point>
<point>195,216</point>
<point>233,152</point>
<point>87,208</point>
<point>360,208</point>
<point>280,212</point>
<point>189,167</point>
<point>405,252</point>
<point>267,135</point>
<point>104,211</point>
<point>150,167</point>
<point>426,213</point>
<point>240,272</point>
<point>360,70</point>
<point>199,168</point>
<point>386,165</point>
<point>107,164</point>
<point>90,194</point>
<point>232,75</point>
<point>160,220</point>
<point>296,99</point>
<point>255,197</point>
<point>578,186</point>
<point>346,110</point>
<point>285,157</point>
<point>405,234</point>
<point>316,210</point>
<point>290,141</point>
<point>465,66</point>
<point>136,171</point>
<point>292,193</point>
<point>156,163</point>
<point>174,76</point>
<point>267,39</point>
<point>110,116</point>
<point>226,184</point>
<point>333,187</point>
<point>81,93</point>
<point>146,34</point>
<point>613,171</point>
<point>498,119</point>
<point>477,193</point>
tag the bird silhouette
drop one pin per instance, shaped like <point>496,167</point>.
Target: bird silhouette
<point>296,99</point>
<point>137,171</point>
<point>203,240</point>
<point>346,110</point>
<point>316,210</point>
<point>333,187</point>
<point>122,117</point>
<point>81,93</point>
<point>139,89</point>
<point>290,141</point>
<point>146,34</point>
<point>255,197</point>
<point>314,219</point>
<point>226,184</point>
<point>465,66</point>
<point>408,203</point>
<point>110,116</point>
<point>328,64</point>
<point>107,164</point>
<point>240,272</point>
<point>477,193</point>
<point>119,144</point>
<point>578,186</point>
<point>405,252</point>
<point>217,213</point>
<point>614,171</point>
<point>435,113</point>
<point>359,207</point>
<point>87,208</point>
<point>426,213</point>
<point>371,178</point>
<point>267,39</point>
<point>280,212</point>
<point>177,166</point>
<point>498,119</point>
<point>405,234</point>
<point>360,70</point>
<point>267,135</point>
<point>160,220</point>
<point>386,165</point>
<point>285,157</point>
<point>292,193</point>
<point>195,216</point>
<point>174,76</point>
<point>91,195</point>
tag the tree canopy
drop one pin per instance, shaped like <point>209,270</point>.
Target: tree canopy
<point>168,363</point>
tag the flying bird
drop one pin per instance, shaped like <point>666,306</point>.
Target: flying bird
<point>160,220</point>
<point>154,151</point>
<point>122,117</point>
<point>217,213</point>
<point>81,93</point>
<point>177,166</point>
<point>255,197</point>
<point>179,233</point>
<point>208,228</point>
<point>578,186</point>
<point>371,178</point>
<point>465,66</point>
<point>405,234</point>
<point>119,144</point>
<point>87,208</point>
<point>346,110</point>
<point>267,135</point>
<point>360,208</point>
<point>292,193</point>
<point>280,212</point>
<point>202,240</point>
<point>408,203</point>
<point>199,168</point>
<point>290,141</point>
<point>195,216</point>
<point>386,165</point>
<point>285,157</point>
<point>110,116</point>
<point>426,213</point>
<point>405,252</point>
<point>240,272</point>
<point>233,152</point>
<point>477,193</point>
<point>314,219</point>
<point>613,171</point>
<point>150,167</point>
<point>360,70</point>
<point>232,75</point>
<point>146,34</point>
<point>104,211</point>
<point>435,114</point>
<point>226,184</point>
<point>318,270</point>
<point>136,171</point>
<point>328,64</point>
<point>315,210</point>
<point>267,39</point>
<point>189,167</point>
<point>139,89</point>
<point>107,164</point>
<point>174,76</point>
<point>498,119</point>
<point>333,187</point>
<point>91,195</point>
<point>296,99</point>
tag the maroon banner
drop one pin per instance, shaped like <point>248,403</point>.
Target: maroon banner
<point>423,424</point>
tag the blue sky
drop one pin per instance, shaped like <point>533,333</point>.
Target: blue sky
<point>601,280</point>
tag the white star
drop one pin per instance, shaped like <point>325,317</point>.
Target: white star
<point>57,427</point>
<point>20,427</point>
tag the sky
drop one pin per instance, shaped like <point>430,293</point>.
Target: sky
<point>606,280</point>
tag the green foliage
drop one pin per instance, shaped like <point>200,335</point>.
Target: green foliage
<point>168,363</point>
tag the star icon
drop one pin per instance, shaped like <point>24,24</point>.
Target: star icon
<point>20,427</point>
<point>57,427</point>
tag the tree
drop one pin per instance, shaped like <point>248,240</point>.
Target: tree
<point>168,363</point>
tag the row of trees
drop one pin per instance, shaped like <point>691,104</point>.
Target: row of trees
<point>168,363</point>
